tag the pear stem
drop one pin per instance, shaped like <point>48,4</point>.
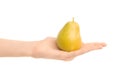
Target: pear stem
<point>73,19</point>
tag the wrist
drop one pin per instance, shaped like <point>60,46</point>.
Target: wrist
<point>29,48</point>
<point>36,47</point>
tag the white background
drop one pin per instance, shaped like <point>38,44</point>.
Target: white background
<point>36,19</point>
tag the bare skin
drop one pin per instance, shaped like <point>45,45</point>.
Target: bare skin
<point>46,48</point>
<point>50,50</point>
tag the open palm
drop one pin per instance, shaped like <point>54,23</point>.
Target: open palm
<point>48,49</point>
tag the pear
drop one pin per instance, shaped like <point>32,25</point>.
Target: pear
<point>69,39</point>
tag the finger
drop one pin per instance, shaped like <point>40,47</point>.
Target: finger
<point>103,44</point>
<point>89,47</point>
<point>92,46</point>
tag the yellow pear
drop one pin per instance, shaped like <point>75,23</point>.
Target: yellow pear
<point>69,39</point>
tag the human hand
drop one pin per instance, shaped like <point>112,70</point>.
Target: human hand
<point>48,49</point>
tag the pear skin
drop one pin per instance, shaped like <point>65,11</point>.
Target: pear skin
<point>69,38</point>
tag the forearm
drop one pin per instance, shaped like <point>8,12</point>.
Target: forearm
<point>14,48</point>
